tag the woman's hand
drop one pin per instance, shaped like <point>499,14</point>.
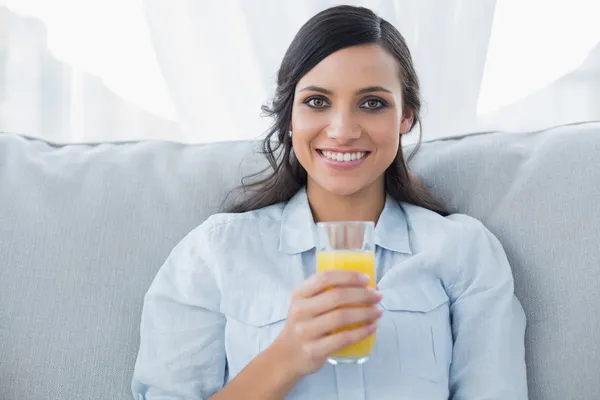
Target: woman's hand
<point>305,342</point>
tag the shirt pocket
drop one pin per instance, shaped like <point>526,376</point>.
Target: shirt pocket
<point>254,321</point>
<point>418,314</point>
<point>257,319</point>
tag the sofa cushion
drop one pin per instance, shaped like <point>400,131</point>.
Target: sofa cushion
<point>84,229</point>
<point>538,193</point>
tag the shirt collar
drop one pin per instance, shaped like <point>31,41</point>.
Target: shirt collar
<point>297,225</point>
<point>297,233</point>
<point>392,230</point>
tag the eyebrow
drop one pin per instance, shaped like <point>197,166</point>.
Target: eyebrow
<point>369,89</point>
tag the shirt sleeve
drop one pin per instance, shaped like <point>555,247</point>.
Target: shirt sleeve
<point>182,355</point>
<point>488,322</point>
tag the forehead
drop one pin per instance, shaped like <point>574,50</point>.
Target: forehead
<point>355,67</point>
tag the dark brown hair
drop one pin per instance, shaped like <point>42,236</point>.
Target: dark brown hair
<point>327,32</point>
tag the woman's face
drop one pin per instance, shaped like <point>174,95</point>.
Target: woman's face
<point>347,119</point>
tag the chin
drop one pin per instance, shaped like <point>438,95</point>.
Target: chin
<point>341,187</point>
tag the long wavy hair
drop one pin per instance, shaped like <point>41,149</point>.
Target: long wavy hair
<point>331,30</point>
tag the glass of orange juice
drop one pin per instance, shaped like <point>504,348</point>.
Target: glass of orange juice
<point>348,246</point>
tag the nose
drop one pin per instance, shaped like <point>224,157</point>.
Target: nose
<point>343,128</point>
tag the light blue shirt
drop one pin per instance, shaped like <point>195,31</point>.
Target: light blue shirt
<point>452,327</point>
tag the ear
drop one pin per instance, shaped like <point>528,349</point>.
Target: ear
<point>406,123</point>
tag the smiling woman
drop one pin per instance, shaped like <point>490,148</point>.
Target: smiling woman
<point>341,108</point>
<point>360,110</point>
<point>247,305</point>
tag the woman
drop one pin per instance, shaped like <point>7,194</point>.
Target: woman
<point>237,311</point>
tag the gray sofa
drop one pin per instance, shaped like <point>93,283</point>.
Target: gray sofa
<point>84,229</point>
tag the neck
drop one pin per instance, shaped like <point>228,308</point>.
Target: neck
<point>365,205</point>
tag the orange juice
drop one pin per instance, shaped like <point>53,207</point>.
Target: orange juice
<point>360,261</point>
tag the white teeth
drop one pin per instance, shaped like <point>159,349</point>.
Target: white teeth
<point>344,157</point>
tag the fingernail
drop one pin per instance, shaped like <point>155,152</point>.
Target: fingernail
<point>364,278</point>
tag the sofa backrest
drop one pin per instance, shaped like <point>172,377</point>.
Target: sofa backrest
<point>84,229</point>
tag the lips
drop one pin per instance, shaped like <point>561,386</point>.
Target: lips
<point>343,160</point>
<point>343,156</point>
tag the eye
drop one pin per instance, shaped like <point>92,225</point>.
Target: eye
<point>316,102</point>
<point>373,104</point>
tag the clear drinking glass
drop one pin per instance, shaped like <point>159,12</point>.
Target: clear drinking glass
<point>348,246</point>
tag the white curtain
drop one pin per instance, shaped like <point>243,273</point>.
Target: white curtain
<point>198,71</point>
<point>81,71</point>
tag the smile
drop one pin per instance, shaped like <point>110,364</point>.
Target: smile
<point>343,157</point>
<point>343,160</point>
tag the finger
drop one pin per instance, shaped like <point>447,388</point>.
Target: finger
<point>328,345</point>
<point>343,318</point>
<point>326,279</point>
<point>338,297</point>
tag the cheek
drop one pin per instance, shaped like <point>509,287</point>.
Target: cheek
<point>387,149</point>
<point>384,131</point>
<point>306,126</point>
<point>306,121</point>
